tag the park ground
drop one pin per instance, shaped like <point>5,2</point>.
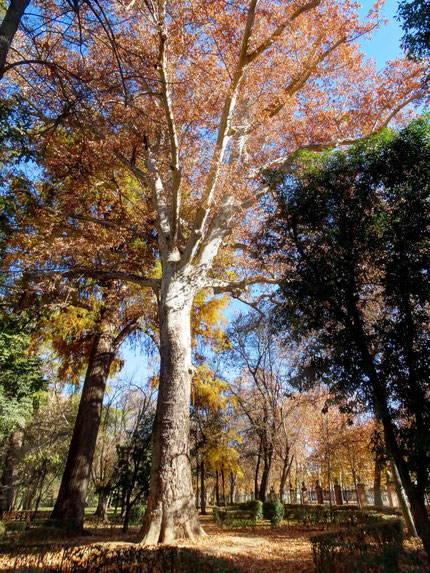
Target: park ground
<point>259,549</point>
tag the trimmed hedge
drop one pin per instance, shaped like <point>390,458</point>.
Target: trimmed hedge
<point>99,558</point>
<point>255,506</point>
<point>241,515</point>
<point>349,515</point>
<point>273,511</point>
<point>360,548</point>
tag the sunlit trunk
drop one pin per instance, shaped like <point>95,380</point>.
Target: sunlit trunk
<point>70,503</point>
<point>172,512</point>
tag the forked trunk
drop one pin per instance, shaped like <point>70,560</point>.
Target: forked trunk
<point>172,512</point>
<point>70,503</point>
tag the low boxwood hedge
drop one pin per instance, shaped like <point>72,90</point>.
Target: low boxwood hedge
<point>360,548</point>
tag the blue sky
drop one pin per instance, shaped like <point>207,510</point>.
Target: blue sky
<point>384,46</point>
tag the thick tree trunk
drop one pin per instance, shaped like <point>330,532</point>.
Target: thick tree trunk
<point>172,512</point>
<point>8,28</point>
<point>7,482</point>
<point>202,488</point>
<point>102,504</point>
<point>70,503</point>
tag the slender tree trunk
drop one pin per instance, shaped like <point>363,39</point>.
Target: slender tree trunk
<point>223,485</point>
<point>257,470</point>
<point>232,484</point>
<point>172,512</point>
<point>383,414</point>
<point>377,496</point>
<point>8,28</point>
<point>70,503</point>
<point>7,482</point>
<point>202,488</point>
<point>286,466</point>
<point>264,485</point>
<point>406,510</point>
<point>217,487</point>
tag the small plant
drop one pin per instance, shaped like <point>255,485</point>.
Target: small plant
<point>137,513</point>
<point>2,529</point>
<point>273,511</point>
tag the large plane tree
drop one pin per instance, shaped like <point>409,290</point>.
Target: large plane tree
<point>195,101</point>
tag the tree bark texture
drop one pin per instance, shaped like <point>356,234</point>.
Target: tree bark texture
<point>70,503</point>
<point>8,29</point>
<point>172,512</point>
<point>102,504</point>
<point>7,482</point>
<point>202,489</point>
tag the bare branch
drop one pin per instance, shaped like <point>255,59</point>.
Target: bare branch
<point>280,30</point>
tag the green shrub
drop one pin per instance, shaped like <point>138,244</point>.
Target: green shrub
<point>2,529</point>
<point>273,511</point>
<point>256,508</point>
<point>234,516</point>
<point>137,513</point>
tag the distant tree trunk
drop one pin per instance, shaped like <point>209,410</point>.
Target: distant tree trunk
<point>257,470</point>
<point>264,484</point>
<point>377,484</point>
<point>172,511</point>
<point>223,485</point>
<point>42,481</point>
<point>8,478</point>
<point>70,503</point>
<point>217,487</point>
<point>202,488</point>
<point>8,28</point>
<point>102,503</point>
<point>232,484</point>
<point>286,466</point>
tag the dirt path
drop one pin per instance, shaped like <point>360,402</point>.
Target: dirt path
<point>259,549</point>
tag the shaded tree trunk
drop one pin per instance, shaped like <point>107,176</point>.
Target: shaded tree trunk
<point>70,503</point>
<point>377,485</point>
<point>267,457</point>
<point>202,489</point>
<point>217,487</point>
<point>8,29</point>
<point>8,478</point>
<point>382,412</point>
<point>406,510</point>
<point>257,470</point>
<point>223,485</point>
<point>102,504</point>
<point>172,512</point>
